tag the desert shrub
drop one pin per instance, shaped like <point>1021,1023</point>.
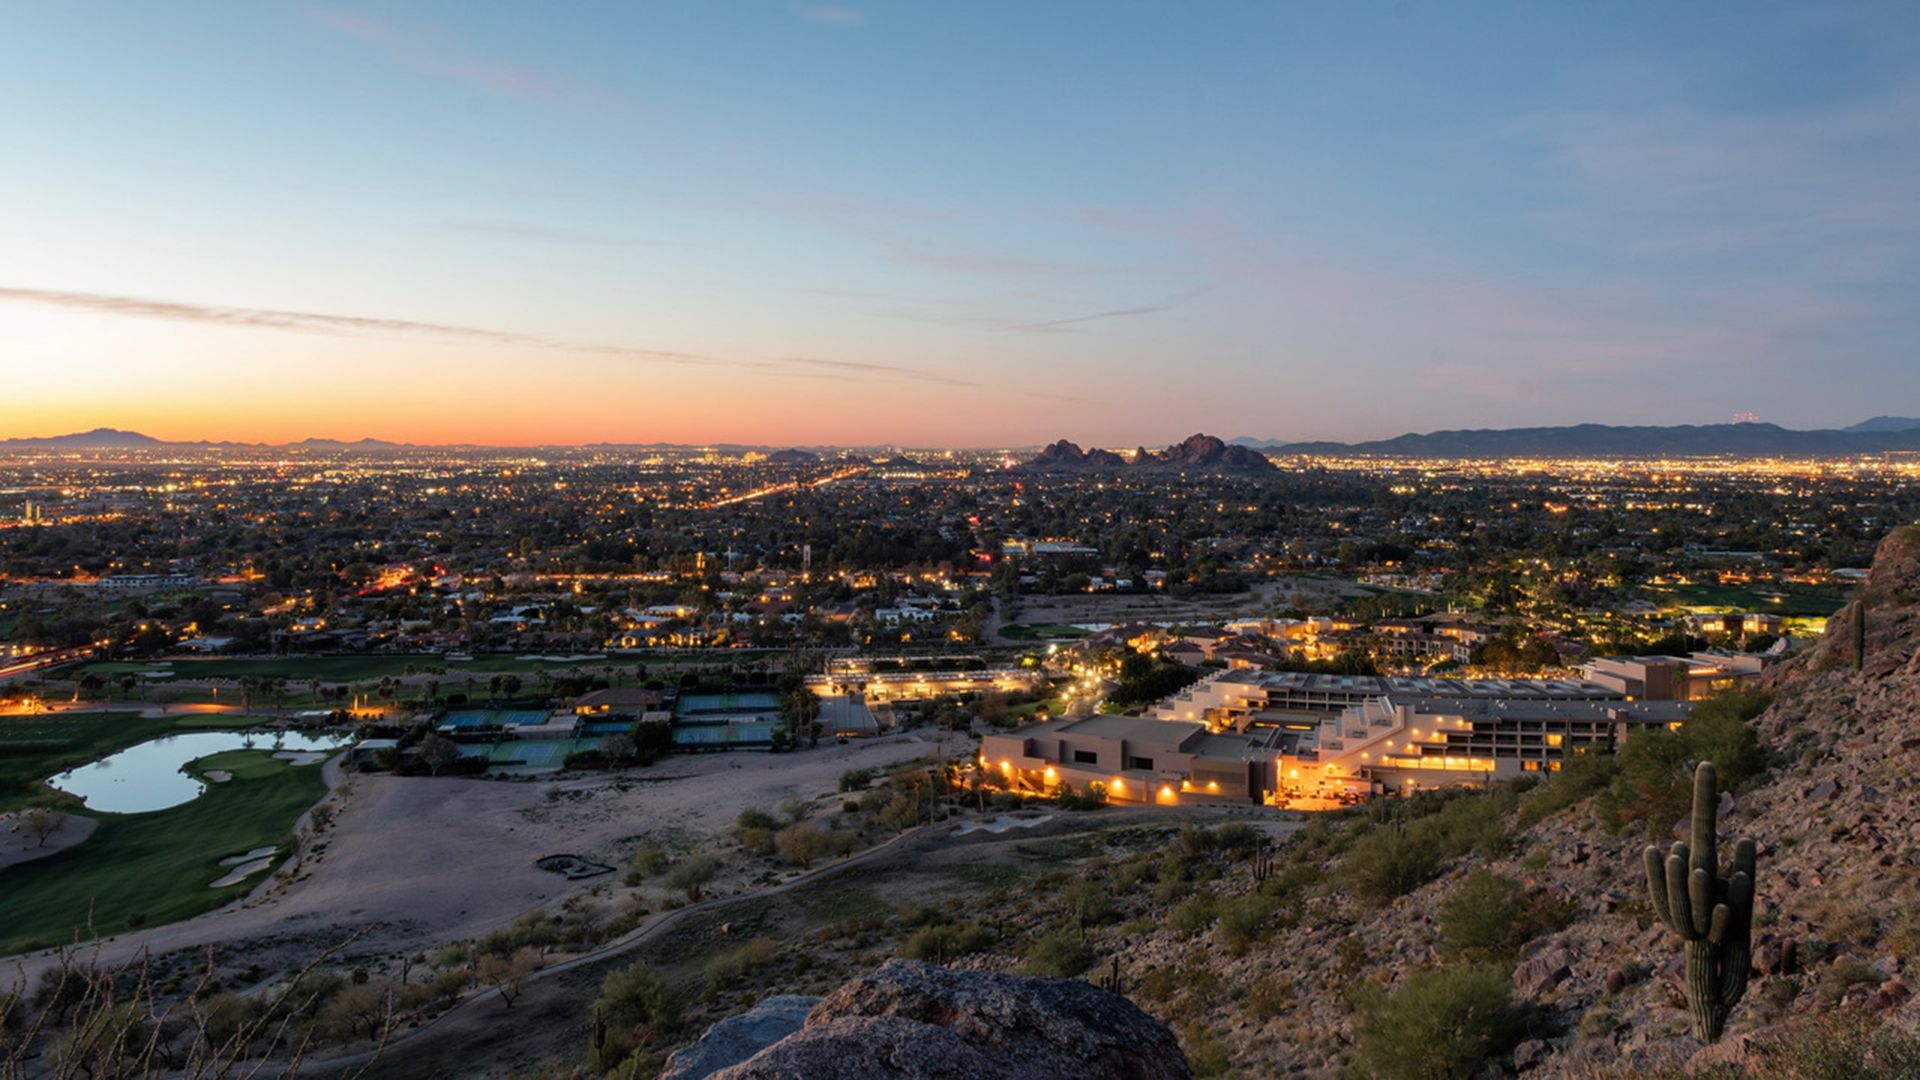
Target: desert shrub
<point>1443,1022</point>
<point>1581,776</point>
<point>652,860</point>
<point>749,957</point>
<point>1206,1055</point>
<point>1655,780</point>
<point>1387,864</point>
<point>692,874</point>
<point>1839,1046</point>
<point>1244,921</point>
<point>942,944</point>
<point>755,818</point>
<point>1267,998</point>
<point>1194,915</point>
<point>1843,975</point>
<point>1489,916</point>
<point>1236,836</point>
<point>1058,956</point>
<point>637,996</point>
<point>800,844</point>
<point>755,841</point>
<point>1598,1022</point>
<point>1088,902</point>
<point>1293,879</point>
<point>856,779</point>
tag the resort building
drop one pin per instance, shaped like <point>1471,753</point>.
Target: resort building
<point>1282,738</point>
<point>1376,746</point>
<point>1676,678</point>
<point>1134,758</point>
<point>619,703</point>
<point>1242,699</point>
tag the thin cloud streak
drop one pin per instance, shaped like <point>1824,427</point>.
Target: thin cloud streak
<point>512,230</point>
<point>878,369</point>
<point>1057,325</point>
<point>444,61</point>
<point>307,322</point>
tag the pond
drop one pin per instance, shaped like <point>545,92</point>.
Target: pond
<point>150,776</point>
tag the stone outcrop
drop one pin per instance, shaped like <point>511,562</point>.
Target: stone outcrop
<point>1068,455</point>
<point>737,1038</point>
<point>916,1021</point>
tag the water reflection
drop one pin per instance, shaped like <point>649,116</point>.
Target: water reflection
<point>149,776</point>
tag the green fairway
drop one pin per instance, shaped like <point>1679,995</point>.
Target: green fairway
<point>1718,598</point>
<point>357,668</point>
<point>155,868</point>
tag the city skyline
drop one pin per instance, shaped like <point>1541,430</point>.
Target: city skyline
<point>813,224</point>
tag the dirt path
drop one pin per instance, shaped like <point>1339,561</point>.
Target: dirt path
<point>473,1015</point>
<point>550,1018</point>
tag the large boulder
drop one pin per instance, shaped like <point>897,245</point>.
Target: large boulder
<point>737,1038</point>
<point>915,1021</point>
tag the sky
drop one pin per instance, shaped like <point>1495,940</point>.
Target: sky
<point>977,224</point>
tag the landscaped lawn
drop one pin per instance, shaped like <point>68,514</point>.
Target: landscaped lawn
<point>155,868</point>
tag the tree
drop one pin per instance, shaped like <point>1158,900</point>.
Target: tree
<point>508,974</point>
<point>438,752</point>
<point>41,823</point>
<point>616,748</point>
<point>801,844</point>
<point>693,874</point>
<point>636,995</point>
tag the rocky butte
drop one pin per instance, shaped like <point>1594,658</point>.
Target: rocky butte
<point>1198,453</point>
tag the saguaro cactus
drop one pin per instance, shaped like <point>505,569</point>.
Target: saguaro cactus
<point>1712,914</point>
<point>1859,633</point>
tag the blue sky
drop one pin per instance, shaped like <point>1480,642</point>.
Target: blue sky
<point>968,224</point>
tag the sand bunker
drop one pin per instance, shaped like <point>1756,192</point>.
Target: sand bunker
<point>241,873</point>
<point>1000,824</point>
<point>256,853</point>
<point>303,757</point>
<point>219,776</point>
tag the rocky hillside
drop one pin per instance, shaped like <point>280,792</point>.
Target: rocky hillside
<point>1835,813</point>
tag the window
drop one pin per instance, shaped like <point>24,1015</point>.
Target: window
<point>1530,766</point>
<point>1085,757</point>
<point>1144,764</point>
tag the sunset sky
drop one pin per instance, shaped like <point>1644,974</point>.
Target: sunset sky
<point>953,224</point>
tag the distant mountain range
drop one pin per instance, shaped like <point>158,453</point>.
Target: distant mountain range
<point>1199,452</point>
<point>115,439</point>
<point>1878,435</point>
<point>1886,423</point>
